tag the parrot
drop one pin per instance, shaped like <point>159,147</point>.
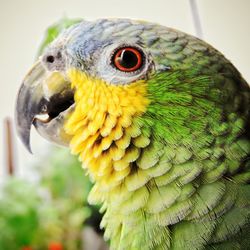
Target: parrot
<point>159,120</point>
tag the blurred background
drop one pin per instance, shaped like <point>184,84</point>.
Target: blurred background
<point>225,24</point>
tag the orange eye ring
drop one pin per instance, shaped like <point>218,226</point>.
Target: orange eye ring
<point>128,59</point>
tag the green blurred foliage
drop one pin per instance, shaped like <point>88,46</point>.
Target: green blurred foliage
<point>53,210</point>
<point>69,187</point>
<point>19,219</point>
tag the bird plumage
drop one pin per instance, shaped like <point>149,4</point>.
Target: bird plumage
<point>168,147</point>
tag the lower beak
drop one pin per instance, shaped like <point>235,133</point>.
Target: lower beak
<point>45,99</point>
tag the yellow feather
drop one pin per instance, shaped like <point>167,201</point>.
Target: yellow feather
<point>117,153</point>
<point>102,127</point>
<point>141,141</point>
<point>125,120</point>
<point>95,195</point>
<point>120,175</point>
<point>109,124</point>
<point>132,154</point>
<point>134,130</point>
<point>117,132</point>
<point>136,180</point>
<point>106,142</point>
<point>120,165</point>
<point>105,165</point>
<point>123,142</point>
<point>118,195</point>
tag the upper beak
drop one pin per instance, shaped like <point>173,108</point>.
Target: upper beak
<point>43,92</point>
<point>29,102</point>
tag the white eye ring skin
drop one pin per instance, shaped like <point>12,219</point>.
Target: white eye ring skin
<point>107,71</point>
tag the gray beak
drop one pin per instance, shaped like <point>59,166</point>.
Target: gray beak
<point>29,103</point>
<point>43,93</point>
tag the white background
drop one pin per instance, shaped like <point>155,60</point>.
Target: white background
<point>225,23</point>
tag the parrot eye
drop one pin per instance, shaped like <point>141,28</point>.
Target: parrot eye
<point>127,59</point>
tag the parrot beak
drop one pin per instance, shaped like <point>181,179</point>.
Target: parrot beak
<point>44,100</point>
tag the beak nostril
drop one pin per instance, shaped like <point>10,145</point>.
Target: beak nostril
<point>53,60</point>
<point>50,59</point>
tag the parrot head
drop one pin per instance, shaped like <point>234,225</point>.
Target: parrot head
<point>94,61</point>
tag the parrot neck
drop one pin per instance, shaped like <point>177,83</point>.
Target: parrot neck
<point>105,133</point>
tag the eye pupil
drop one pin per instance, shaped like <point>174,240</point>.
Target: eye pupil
<point>128,59</point>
